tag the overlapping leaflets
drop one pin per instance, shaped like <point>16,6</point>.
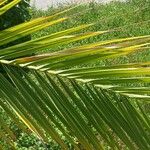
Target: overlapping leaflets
<point>88,105</point>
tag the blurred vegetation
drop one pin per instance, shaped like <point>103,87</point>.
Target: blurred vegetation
<point>129,19</point>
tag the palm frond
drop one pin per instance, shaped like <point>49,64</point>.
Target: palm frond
<point>90,106</point>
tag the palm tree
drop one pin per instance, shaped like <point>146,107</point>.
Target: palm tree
<point>90,106</point>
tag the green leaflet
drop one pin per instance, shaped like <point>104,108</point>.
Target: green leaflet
<point>6,7</point>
